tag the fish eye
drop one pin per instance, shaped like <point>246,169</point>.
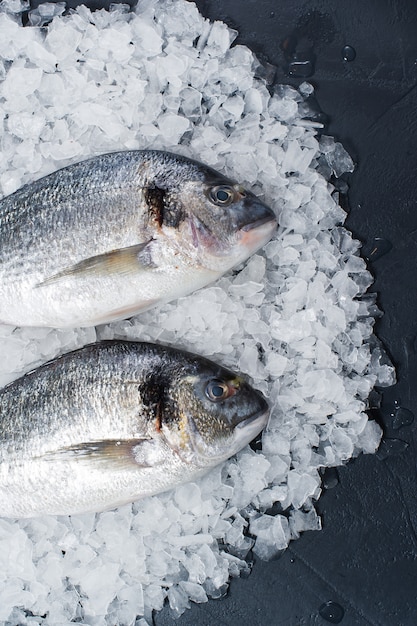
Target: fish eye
<point>217,390</point>
<point>222,195</point>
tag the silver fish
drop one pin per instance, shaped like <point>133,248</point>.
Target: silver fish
<point>111,236</point>
<point>116,421</point>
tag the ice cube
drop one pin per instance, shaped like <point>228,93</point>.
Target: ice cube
<point>272,535</point>
<point>194,591</point>
<point>21,81</point>
<point>220,38</point>
<point>339,160</point>
<point>173,126</point>
<point>147,37</point>
<point>302,486</point>
<point>62,42</point>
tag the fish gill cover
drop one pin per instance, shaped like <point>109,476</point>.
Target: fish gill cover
<point>295,318</point>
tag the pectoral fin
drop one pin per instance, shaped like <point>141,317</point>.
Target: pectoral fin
<point>121,261</point>
<point>112,454</point>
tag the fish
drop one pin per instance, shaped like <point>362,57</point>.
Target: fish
<point>116,421</point>
<point>116,234</point>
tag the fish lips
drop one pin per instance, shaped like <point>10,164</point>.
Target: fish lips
<point>250,428</point>
<point>256,223</point>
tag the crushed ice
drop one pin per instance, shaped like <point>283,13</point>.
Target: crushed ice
<point>292,318</point>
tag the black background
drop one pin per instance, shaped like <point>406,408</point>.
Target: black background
<point>365,558</point>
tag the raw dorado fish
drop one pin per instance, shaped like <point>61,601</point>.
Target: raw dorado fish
<point>111,236</point>
<point>114,422</point>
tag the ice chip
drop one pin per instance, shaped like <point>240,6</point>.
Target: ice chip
<point>173,126</point>
<point>283,108</point>
<point>306,89</point>
<point>272,535</point>
<point>341,442</point>
<point>234,105</point>
<point>63,42</point>
<point>301,521</point>
<point>253,271</point>
<point>191,103</point>
<point>188,498</point>
<point>302,486</point>
<point>178,600</point>
<point>194,591</point>
<point>339,160</point>
<point>148,39</point>
<point>21,81</point>
<point>370,438</point>
<point>220,38</point>
<point>45,12</point>
<point>276,364</point>
<point>133,599</point>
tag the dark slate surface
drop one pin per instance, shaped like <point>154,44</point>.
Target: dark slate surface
<point>365,558</point>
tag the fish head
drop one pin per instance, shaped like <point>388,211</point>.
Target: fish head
<point>211,416</point>
<point>227,223</point>
<point>215,218</point>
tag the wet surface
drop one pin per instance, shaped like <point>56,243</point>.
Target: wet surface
<point>402,417</point>
<point>330,478</point>
<point>375,249</point>
<point>390,447</point>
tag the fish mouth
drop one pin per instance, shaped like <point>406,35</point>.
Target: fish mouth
<point>252,214</point>
<point>256,234</point>
<point>255,223</point>
<point>250,428</point>
<point>266,219</point>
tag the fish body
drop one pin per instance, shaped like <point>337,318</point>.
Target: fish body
<point>114,235</point>
<point>114,422</point>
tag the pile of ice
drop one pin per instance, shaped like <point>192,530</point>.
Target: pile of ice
<point>293,318</point>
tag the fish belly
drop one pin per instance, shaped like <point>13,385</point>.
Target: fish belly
<point>93,301</point>
<point>43,487</point>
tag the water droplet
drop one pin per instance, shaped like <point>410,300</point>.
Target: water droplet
<point>375,249</point>
<point>402,417</point>
<point>330,478</point>
<point>391,447</point>
<point>349,53</point>
<point>301,69</point>
<point>299,56</point>
<point>332,612</point>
